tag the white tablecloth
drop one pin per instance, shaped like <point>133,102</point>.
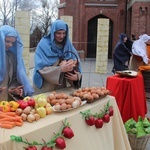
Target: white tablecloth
<point>112,136</point>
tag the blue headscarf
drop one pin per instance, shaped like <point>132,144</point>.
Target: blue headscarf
<point>121,41</point>
<point>17,49</point>
<point>47,52</point>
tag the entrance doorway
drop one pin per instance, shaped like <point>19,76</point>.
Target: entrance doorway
<point>92,37</point>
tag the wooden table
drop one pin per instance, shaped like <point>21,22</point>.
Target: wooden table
<point>129,94</point>
<point>112,136</point>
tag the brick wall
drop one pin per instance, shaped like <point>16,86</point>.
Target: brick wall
<point>131,21</point>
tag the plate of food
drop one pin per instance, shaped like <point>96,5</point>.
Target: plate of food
<point>127,73</point>
<point>91,94</point>
<point>63,108</point>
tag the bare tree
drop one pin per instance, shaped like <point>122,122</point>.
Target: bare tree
<point>8,8</point>
<point>45,14</point>
<point>5,11</point>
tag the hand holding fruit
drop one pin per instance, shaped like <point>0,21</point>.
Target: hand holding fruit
<point>72,76</point>
<point>67,66</point>
<point>17,91</point>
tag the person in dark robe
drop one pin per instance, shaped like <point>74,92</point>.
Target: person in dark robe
<point>14,83</point>
<point>122,53</point>
<point>53,63</point>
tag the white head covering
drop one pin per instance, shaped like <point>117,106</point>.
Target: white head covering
<point>139,47</point>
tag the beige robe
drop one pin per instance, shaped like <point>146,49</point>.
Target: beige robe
<point>54,79</point>
<point>10,80</point>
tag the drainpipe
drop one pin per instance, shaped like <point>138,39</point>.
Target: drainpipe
<point>125,20</point>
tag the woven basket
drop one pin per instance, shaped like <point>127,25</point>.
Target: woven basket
<point>138,143</point>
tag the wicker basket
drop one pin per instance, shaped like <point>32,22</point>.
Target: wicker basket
<point>138,143</point>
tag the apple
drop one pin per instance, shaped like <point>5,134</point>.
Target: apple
<point>19,101</point>
<point>23,105</point>
<point>38,96</point>
<point>49,109</point>
<point>41,111</point>
<point>41,101</point>
<point>31,102</point>
<point>26,98</point>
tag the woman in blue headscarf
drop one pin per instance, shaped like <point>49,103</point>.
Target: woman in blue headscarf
<point>122,53</point>
<point>14,83</point>
<point>55,57</point>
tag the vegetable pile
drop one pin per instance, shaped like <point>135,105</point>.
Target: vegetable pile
<point>140,128</point>
<point>9,120</point>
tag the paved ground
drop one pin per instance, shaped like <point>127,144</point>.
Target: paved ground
<point>90,77</point>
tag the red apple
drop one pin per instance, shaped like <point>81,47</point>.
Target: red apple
<point>23,105</point>
<point>19,101</point>
<point>31,102</point>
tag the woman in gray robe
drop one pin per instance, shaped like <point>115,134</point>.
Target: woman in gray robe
<point>14,83</point>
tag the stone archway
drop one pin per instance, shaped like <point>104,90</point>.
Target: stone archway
<point>92,37</point>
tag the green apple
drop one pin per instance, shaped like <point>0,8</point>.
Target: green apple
<point>36,97</point>
<point>41,111</point>
<point>41,101</point>
<point>26,98</point>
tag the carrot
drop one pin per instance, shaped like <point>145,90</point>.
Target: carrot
<point>6,126</point>
<point>7,119</point>
<point>18,123</point>
<point>10,114</point>
<point>9,122</point>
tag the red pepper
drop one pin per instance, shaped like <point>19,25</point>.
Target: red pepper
<point>60,143</point>
<point>67,132</point>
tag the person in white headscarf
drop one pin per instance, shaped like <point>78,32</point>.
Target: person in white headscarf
<point>14,83</point>
<point>139,50</point>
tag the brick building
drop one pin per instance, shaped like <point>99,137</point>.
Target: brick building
<point>125,16</point>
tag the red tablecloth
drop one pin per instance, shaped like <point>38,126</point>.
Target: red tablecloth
<point>129,94</point>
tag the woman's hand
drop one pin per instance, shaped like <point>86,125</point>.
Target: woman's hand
<point>72,76</point>
<point>67,67</point>
<point>2,88</point>
<point>17,91</point>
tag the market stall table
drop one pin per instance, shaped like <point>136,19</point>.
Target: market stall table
<point>111,136</point>
<point>130,95</point>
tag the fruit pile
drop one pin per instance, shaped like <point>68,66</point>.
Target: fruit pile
<point>33,108</point>
<point>91,93</point>
<point>62,101</point>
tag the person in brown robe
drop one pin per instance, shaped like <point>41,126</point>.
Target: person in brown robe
<point>55,58</point>
<point>14,83</point>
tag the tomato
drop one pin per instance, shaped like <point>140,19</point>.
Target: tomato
<point>67,132</point>
<point>99,123</point>
<point>46,148</point>
<point>90,120</point>
<point>60,143</point>
<point>111,111</point>
<point>106,118</point>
